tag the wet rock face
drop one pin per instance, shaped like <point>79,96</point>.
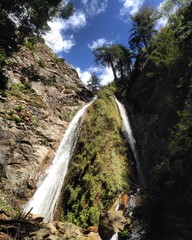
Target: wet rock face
<point>110,223</point>
<point>43,95</point>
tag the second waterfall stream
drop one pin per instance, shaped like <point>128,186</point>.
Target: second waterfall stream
<point>129,136</point>
<point>132,143</point>
<point>45,198</point>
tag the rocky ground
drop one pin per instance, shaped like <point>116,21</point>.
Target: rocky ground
<point>119,219</point>
<point>32,228</point>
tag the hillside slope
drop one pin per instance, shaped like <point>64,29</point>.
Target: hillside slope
<point>43,94</point>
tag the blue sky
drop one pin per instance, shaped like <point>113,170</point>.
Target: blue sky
<point>94,23</point>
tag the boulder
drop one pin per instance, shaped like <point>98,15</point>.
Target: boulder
<point>41,234</point>
<point>93,236</point>
<point>69,230</point>
<point>111,222</point>
<point>37,218</point>
<point>52,237</point>
<point>51,228</point>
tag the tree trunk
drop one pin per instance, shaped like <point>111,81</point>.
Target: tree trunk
<point>114,72</point>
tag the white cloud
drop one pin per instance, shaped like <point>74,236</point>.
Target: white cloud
<point>56,38</point>
<point>99,42</point>
<point>76,21</point>
<point>95,7</point>
<point>130,6</point>
<point>106,76</point>
<point>84,75</point>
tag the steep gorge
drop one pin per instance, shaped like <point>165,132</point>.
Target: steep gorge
<point>42,95</point>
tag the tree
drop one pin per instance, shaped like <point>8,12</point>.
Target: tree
<point>165,51</point>
<point>67,10</point>
<point>93,83</point>
<point>117,57</point>
<point>183,30</point>
<point>122,60</point>
<point>27,17</point>
<point>169,7</point>
<point>104,56</point>
<point>143,28</point>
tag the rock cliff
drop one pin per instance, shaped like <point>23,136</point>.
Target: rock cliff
<point>43,94</point>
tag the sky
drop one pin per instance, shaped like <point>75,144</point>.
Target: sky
<point>94,23</point>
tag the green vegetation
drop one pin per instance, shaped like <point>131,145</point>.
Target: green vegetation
<point>31,18</point>
<point>143,29</point>
<point>93,83</point>
<point>4,206</point>
<point>124,234</point>
<point>41,63</point>
<point>117,57</point>
<point>98,170</point>
<point>31,74</point>
<point>158,91</point>
<point>23,23</point>
<point>32,41</point>
<point>21,87</point>
<point>20,91</point>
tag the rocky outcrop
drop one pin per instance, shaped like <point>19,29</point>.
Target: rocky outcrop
<point>111,222</point>
<point>43,94</point>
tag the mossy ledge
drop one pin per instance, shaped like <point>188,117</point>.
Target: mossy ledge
<point>99,168</point>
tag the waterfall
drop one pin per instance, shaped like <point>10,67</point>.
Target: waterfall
<point>131,141</point>
<point>115,237</point>
<point>141,180</point>
<point>45,198</point>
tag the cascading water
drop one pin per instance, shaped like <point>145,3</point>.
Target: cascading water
<point>115,237</point>
<point>141,179</point>
<point>48,191</point>
<point>131,141</point>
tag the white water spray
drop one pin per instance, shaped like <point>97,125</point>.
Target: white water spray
<point>115,237</point>
<point>45,199</point>
<point>131,141</point>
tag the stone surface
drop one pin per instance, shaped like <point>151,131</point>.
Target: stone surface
<point>41,234</point>
<point>53,237</point>
<point>62,230</point>
<point>37,218</point>
<point>33,121</point>
<point>111,222</point>
<point>51,228</point>
<point>93,236</point>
